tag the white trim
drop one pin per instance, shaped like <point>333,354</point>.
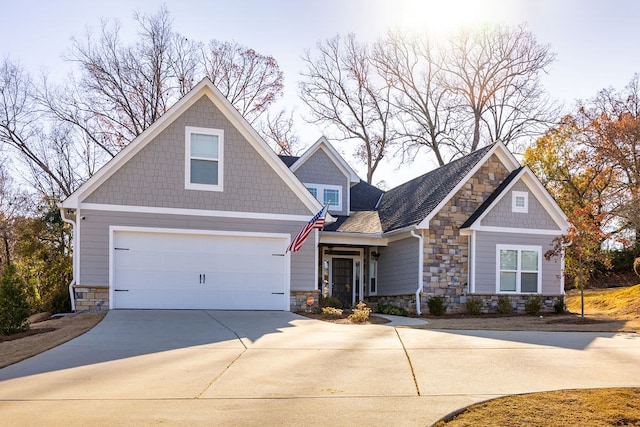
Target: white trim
<point>514,205</point>
<point>420,236</point>
<point>354,258</point>
<point>188,185</point>
<point>323,143</point>
<point>372,261</point>
<point>204,88</point>
<point>320,194</point>
<point>74,256</point>
<point>157,230</point>
<point>471,274</point>
<point>508,160</point>
<point>495,229</point>
<point>519,271</point>
<point>196,212</point>
<point>336,238</point>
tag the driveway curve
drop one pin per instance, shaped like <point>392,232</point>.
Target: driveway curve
<point>201,367</point>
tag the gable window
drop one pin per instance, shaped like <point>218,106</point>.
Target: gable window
<point>327,194</point>
<point>520,201</point>
<point>519,268</point>
<point>204,158</point>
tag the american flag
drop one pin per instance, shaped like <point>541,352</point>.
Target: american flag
<point>316,222</point>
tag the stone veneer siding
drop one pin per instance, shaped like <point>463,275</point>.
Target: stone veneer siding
<point>458,303</point>
<point>446,252</point>
<point>96,298</point>
<point>91,298</point>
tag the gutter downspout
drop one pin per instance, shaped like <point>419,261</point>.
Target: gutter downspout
<point>73,258</point>
<point>420,238</point>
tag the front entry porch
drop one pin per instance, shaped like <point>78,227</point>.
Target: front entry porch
<point>348,273</point>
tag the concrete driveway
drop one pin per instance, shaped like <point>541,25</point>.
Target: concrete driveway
<point>140,367</point>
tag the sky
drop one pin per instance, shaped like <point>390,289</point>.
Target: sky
<point>595,42</point>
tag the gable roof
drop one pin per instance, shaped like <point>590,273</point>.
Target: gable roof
<point>323,144</point>
<point>533,183</point>
<point>410,203</point>
<point>365,197</point>
<point>204,88</point>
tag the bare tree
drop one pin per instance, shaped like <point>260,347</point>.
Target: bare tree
<point>343,90</point>
<point>494,73</point>
<point>278,130</point>
<point>249,80</point>
<point>421,98</point>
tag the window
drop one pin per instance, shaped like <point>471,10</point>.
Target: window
<point>204,159</point>
<point>373,272</point>
<point>327,194</point>
<point>519,268</point>
<point>520,201</point>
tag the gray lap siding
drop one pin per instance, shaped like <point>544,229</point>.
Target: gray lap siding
<point>485,249</point>
<point>94,240</point>
<point>398,267</point>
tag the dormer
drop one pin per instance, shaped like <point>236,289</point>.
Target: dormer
<point>326,175</point>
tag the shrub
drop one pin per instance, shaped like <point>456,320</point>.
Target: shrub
<point>474,306</point>
<point>533,306</point>
<point>360,314</point>
<point>504,306</point>
<point>331,312</point>
<point>559,306</point>
<point>330,302</point>
<point>14,308</point>
<point>436,305</point>
<point>391,309</point>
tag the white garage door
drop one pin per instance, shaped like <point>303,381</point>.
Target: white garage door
<point>198,271</point>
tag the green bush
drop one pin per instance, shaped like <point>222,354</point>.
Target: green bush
<point>14,308</point>
<point>474,306</point>
<point>360,314</point>
<point>533,306</point>
<point>504,306</point>
<point>391,309</point>
<point>559,306</point>
<point>330,302</point>
<point>436,305</point>
<point>331,312</point>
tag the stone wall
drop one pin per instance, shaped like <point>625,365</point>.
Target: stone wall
<point>458,303</point>
<point>299,300</point>
<point>446,252</point>
<point>91,298</point>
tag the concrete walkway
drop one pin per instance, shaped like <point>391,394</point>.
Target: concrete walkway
<point>266,368</point>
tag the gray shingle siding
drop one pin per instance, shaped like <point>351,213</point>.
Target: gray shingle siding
<point>502,216</point>
<point>485,277</point>
<point>320,169</point>
<point>398,267</point>
<point>94,240</point>
<point>156,175</point>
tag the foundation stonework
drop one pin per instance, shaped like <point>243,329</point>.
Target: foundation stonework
<point>299,300</point>
<point>91,298</point>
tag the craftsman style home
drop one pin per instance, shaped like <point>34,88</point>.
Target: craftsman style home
<point>197,213</point>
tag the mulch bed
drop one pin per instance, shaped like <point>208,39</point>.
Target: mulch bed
<point>373,319</point>
<point>34,331</point>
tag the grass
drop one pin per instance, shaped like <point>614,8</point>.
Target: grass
<point>607,302</point>
<point>597,407</point>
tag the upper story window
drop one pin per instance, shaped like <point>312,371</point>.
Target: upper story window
<point>204,158</point>
<point>520,201</point>
<point>327,194</point>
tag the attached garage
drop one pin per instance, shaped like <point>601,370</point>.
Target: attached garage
<point>186,269</point>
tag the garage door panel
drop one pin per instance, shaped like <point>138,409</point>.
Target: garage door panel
<point>172,270</point>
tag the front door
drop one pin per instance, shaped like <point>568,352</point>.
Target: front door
<point>342,280</point>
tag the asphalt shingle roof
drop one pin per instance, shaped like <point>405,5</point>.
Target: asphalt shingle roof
<point>364,196</point>
<point>411,202</point>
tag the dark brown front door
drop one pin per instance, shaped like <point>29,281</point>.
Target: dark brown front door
<point>342,275</point>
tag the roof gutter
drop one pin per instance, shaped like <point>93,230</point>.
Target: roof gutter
<point>420,238</point>
<point>73,256</point>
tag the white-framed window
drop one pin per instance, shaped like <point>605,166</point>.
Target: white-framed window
<point>518,269</point>
<point>373,271</point>
<point>520,201</point>
<point>327,194</point>
<point>204,158</point>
